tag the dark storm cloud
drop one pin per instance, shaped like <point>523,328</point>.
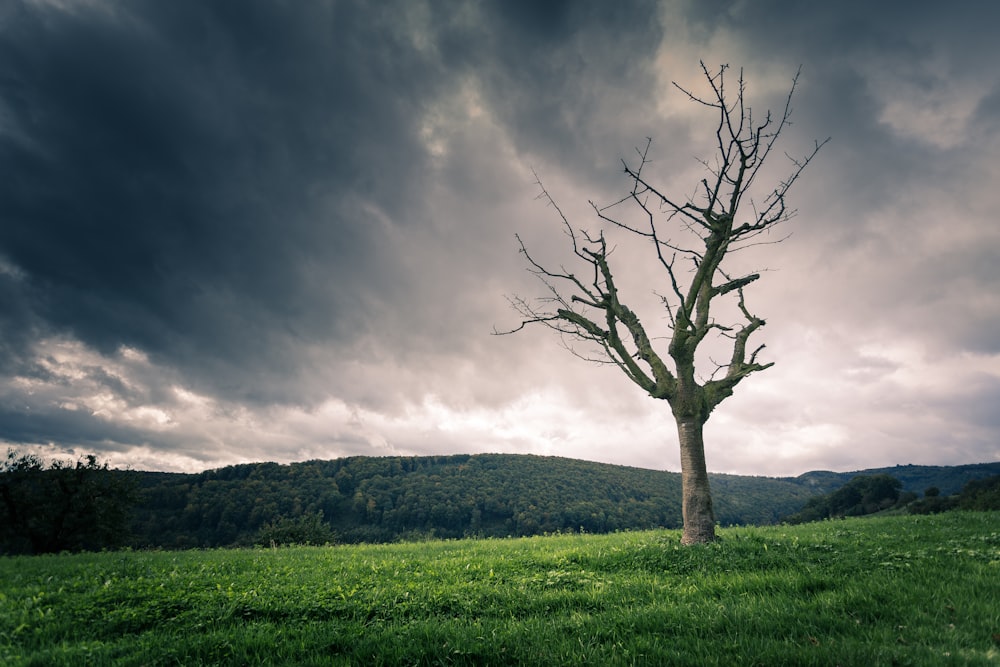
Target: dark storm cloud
<point>552,72</point>
<point>176,168</point>
<point>855,56</point>
<point>72,427</point>
<point>260,230</point>
<point>192,179</point>
<point>18,323</point>
<point>902,90</point>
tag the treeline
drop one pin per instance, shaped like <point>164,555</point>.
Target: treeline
<point>862,495</point>
<point>977,495</point>
<point>359,499</point>
<point>63,506</point>
<point>949,480</point>
<point>83,505</point>
<point>366,499</point>
<point>869,494</point>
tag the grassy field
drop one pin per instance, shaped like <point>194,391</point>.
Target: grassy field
<point>876,591</point>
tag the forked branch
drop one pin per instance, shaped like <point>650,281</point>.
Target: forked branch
<point>591,310</point>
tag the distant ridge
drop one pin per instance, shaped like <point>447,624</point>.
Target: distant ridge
<point>948,480</point>
<point>383,499</point>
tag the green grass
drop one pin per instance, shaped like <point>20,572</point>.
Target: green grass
<point>877,591</point>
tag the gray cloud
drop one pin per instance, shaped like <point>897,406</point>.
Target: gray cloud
<point>184,171</point>
<point>258,231</point>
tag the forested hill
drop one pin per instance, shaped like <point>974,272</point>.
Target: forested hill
<point>385,498</point>
<point>389,498</point>
<point>947,479</point>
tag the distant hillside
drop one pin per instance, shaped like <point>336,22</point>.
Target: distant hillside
<point>376,499</point>
<point>388,498</point>
<point>948,479</point>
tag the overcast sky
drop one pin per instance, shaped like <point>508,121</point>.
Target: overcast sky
<point>268,231</point>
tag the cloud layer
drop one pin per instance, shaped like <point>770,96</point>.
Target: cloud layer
<point>255,231</point>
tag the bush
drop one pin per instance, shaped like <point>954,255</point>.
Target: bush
<point>933,505</point>
<point>305,529</point>
<point>981,494</point>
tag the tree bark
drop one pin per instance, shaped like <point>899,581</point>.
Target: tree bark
<point>699,519</point>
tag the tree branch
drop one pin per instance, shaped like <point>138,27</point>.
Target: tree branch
<point>591,309</point>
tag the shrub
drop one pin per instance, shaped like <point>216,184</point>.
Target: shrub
<point>304,529</point>
<point>981,494</point>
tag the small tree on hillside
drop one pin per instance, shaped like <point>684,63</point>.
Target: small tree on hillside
<point>722,217</point>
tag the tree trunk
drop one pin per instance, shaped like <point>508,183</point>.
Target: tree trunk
<point>699,519</point>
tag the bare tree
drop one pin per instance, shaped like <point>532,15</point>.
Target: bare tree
<point>720,218</point>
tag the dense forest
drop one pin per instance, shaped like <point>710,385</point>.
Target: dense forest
<point>381,499</point>
<point>78,505</point>
<point>365,499</point>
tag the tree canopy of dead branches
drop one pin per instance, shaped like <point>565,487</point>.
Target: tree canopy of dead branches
<point>583,303</point>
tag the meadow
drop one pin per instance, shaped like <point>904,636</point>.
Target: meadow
<point>900,590</point>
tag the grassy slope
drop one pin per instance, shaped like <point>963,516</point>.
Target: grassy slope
<point>876,591</point>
